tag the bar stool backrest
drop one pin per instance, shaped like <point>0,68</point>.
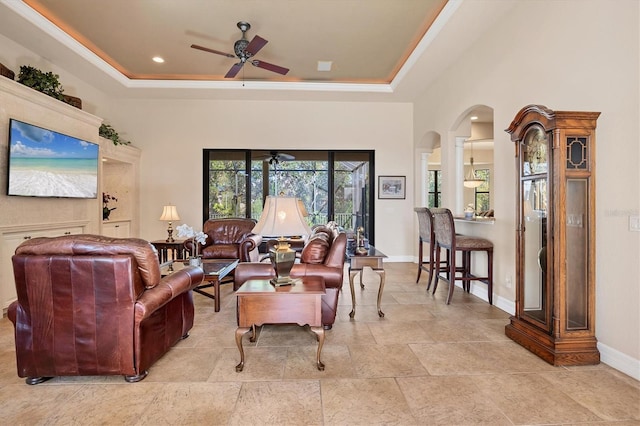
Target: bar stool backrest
<point>444,227</point>
<point>425,219</point>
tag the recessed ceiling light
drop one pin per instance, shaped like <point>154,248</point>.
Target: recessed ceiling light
<point>324,65</point>
<point>158,59</point>
<point>474,117</point>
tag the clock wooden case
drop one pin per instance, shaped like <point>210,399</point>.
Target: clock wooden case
<point>555,235</point>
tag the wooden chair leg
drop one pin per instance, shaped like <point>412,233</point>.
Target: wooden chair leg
<point>490,275</point>
<point>431,261</point>
<point>419,259</point>
<point>452,273</point>
<point>437,266</point>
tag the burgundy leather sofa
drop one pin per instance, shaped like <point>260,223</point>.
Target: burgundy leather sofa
<point>94,305</point>
<point>230,238</point>
<point>323,255</point>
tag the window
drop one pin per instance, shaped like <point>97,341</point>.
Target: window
<point>435,188</point>
<point>482,199</point>
<point>333,185</point>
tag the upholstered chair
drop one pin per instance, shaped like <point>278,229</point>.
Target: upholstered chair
<point>229,238</point>
<point>90,305</point>
<point>323,255</point>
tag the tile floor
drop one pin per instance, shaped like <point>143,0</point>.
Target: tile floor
<point>423,363</point>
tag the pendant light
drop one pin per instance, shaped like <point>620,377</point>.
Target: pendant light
<point>472,181</point>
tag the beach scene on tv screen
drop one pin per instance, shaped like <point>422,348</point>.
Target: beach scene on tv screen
<point>43,163</point>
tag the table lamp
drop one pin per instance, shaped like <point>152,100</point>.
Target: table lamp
<point>169,214</point>
<point>282,217</point>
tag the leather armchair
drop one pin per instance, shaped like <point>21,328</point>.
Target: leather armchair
<point>230,238</point>
<point>316,259</point>
<point>94,305</point>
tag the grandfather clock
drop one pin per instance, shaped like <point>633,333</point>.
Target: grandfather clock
<point>555,235</point>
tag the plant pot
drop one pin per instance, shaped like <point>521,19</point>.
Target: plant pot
<point>6,72</point>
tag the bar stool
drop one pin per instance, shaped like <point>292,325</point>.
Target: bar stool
<point>426,235</point>
<point>446,238</point>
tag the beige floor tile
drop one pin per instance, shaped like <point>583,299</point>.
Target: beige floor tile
<point>396,332</point>
<point>608,396</point>
<point>476,358</point>
<point>184,364</point>
<point>301,363</point>
<point>531,399</point>
<point>449,400</point>
<point>364,402</point>
<point>425,362</point>
<point>192,404</point>
<point>260,364</point>
<point>385,361</point>
<point>278,403</point>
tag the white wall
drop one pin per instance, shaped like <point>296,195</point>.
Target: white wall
<point>173,133</point>
<point>566,55</point>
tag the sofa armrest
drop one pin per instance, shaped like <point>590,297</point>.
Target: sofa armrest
<point>250,270</point>
<point>169,287</point>
<point>249,248</point>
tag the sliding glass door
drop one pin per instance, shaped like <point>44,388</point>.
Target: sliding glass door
<point>333,185</point>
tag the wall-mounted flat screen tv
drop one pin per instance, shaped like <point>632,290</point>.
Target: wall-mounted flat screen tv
<point>44,163</point>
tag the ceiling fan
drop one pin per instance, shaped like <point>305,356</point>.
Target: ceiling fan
<point>275,157</point>
<point>245,50</point>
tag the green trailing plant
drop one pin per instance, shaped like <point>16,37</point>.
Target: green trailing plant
<point>45,82</point>
<point>108,132</point>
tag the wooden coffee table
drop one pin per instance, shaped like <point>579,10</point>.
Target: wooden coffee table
<point>214,271</point>
<point>260,303</point>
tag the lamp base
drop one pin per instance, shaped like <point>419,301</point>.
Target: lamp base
<point>282,259</point>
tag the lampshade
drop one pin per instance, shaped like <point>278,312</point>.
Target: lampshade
<point>302,208</point>
<point>169,213</point>
<point>281,216</point>
<point>472,181</point>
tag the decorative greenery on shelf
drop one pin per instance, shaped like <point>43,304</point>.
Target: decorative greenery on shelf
<point>106,210</point>
<point>45,82</point>
<point>108,132</point>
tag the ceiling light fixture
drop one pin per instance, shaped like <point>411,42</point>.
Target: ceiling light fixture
<point>472,181</point>
<point>158,60</point>
<point>324,65</point>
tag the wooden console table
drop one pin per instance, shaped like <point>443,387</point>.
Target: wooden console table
<point>357,262</point>
<point>260,303</point>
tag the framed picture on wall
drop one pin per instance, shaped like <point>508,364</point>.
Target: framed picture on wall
<point>392,187</point>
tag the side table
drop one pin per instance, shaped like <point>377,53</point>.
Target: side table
<point>260,303</point>
<point>357,262</point>
<point>175,248</point>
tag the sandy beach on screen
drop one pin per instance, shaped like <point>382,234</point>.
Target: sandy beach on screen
<point>53,184</point>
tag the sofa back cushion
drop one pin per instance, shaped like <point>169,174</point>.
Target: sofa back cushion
<point>316,248</point>
<point>98,245</point>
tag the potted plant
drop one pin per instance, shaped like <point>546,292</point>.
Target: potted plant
<point>108,132</point>
<point>44,82</point>
<point>47,83</point>
<point>106,210</point>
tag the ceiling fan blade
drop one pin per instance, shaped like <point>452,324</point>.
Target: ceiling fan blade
<point>234,70</point>
<point>206,49</point>
<point>255,45</point>
<point>269,67</point>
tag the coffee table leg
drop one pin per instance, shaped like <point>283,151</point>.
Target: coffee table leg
<point>240,331</point>
<point>352,275</point>
<point>216,294</point>
<point>320,333</point>
<point>382,276</point>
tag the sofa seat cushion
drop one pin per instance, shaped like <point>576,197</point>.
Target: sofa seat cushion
<point>221,251</point>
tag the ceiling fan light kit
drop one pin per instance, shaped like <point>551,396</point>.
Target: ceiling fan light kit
<point>244,50</point>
